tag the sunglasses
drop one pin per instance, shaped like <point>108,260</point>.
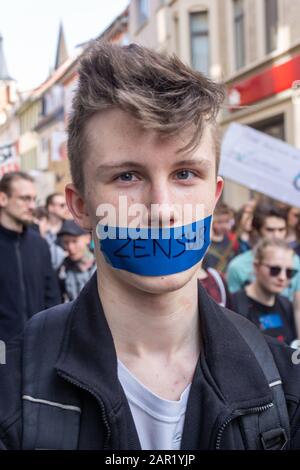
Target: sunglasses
<point>276,270</point>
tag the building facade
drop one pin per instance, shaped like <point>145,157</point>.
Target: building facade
<point>37,123</point>
<point>9,124</point>
<point>253,46</point>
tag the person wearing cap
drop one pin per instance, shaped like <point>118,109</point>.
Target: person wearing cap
<point>79,265</point>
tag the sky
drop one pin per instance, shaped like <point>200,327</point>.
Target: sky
<point>30,32</point>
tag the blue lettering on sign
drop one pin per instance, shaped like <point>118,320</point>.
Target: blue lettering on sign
<point>296,182</point>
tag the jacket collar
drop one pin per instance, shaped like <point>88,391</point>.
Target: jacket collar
<point>12,234</point>
<point>231,363</point>
<point>88,356</point>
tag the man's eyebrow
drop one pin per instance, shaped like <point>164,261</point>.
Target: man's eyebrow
<point>118,166</point>
<point>195,162</point>
<point>133,164</point>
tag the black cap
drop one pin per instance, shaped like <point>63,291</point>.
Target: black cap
<point>69,227</point>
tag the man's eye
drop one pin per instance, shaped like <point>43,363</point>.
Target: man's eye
<point>185,174</point>
<point>126,177</point>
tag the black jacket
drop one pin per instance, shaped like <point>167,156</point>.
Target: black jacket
<point>27,282</point>
<point>227,379</point>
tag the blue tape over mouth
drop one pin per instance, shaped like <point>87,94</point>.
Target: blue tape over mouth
<point>158,256</point>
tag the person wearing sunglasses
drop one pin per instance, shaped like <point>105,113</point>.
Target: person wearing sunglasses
<point>261,301</point>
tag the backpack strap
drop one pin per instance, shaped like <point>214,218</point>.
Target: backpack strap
<point>273,423</point>
<point>286,306</point>
<point>240,303</point>
<point>217,277</point>
<point>51,408</point>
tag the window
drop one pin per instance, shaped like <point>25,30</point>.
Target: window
<point>271,16</point>
<point>200,41</point>
<point>273,126</point>
<point>29,160</point>
<point>143,11</point>
<point>239,33</point>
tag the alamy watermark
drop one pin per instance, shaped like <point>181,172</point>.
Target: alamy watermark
<point>2,352</point>
<point>296,354</point>
<point>137,221</point>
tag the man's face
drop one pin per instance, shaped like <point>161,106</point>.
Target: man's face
<point>293,217</point>
<point>125,160</point>
<point>246,219</point>
<point>76,247</point>
<point>274,227</point>
<point>21,202</point>
<point>274,257</point>
<point>58,207</point>
<point>221,224</point>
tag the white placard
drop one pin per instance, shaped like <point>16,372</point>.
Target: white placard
<point>9,160</point>
<point>261,163</point>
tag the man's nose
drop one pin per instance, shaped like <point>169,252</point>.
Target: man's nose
<point>282,275</point>
<point>32,204</point>
<point>161,205</point>
<point>279,234</point>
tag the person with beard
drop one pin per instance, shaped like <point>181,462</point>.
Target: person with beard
<point>27,281</point>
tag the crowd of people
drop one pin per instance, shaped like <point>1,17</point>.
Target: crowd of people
<point>252,265</point>
<point>144,358</point>
<point>255,253</point>
<point>45,257</point>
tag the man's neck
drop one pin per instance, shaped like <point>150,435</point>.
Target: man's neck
<point>54,223</point>
<point>217,238</point>
<point>257,292</point>
<point>10,223</point>
<point>142,323</point>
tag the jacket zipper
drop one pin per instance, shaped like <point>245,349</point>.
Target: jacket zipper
<point>100,402</point>
<point>21,274</point>
<point>237,413</point>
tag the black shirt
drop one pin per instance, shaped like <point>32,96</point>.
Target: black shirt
<point>276,321</point>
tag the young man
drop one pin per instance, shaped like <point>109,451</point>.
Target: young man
<point>79,265</point>
<point>57,213</point>
<point>41,223</point>
<point>140,360</point>
<point>27,281</point>
<point>261,301</point>
<point>57,210</point>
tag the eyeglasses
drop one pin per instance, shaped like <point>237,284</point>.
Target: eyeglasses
<point>27,199</point>
<point>276,270</point>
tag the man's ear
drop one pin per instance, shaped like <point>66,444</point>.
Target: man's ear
<point>219,188</point>
<point>78,207</point>
<point>3,199</point>
<point>255,264</point>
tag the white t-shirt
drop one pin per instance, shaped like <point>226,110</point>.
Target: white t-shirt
<point>159,422</point>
